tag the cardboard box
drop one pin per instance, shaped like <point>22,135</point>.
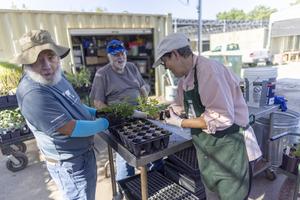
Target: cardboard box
<point>102,60</point>
<point>101,52</point>
<point>91,60</point>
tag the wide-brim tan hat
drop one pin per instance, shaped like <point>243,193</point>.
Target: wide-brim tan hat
<point>169,43</point>
<point>33,43</point>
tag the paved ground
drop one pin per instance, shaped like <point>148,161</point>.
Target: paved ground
<point>33,183</point>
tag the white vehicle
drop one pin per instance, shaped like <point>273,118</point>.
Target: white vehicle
<point>253,57</point>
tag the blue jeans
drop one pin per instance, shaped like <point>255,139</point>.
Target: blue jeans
<point>124,170</point>
<point>76,178</point>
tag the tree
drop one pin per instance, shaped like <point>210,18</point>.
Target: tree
<point>13,5</point>
<point>295,2</point>
<point>100,10</point>
<point>233,14</point>
<point>260,12</point>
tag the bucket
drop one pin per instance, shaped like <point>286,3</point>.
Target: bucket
<point>282,122</point>
<point>260,85</point>
<point>170,93</point>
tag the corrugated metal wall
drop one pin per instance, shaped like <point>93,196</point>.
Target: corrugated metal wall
<point>14,23</point>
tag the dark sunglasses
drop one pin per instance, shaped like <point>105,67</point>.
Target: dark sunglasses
<point>116,46</point>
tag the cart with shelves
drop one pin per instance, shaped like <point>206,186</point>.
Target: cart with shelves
<point>12,142</point>
<point>13,147</point>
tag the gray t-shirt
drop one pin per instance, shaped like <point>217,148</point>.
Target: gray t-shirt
<point>46,109</point>
<point>111,87</point>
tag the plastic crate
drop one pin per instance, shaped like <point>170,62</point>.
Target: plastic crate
<point>186,159</point>
<point>141,137</point>
<point>9,101</point>
<point>159,188</point>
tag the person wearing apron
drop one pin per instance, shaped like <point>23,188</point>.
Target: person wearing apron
<point>217,115</point>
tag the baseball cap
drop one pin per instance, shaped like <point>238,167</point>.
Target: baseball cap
<point>115,46</point>
<point>33,43</point>
<point>170,43</point>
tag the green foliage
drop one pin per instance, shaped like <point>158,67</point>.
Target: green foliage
<point>295,151</point>
<point>233,14</point>
<point>11,119</point>
<point>123,110</point>
<point>150,106</point>
<point>10,75</point>
<point>295,2</point>
<point>259,12</point>
<point>80,79</point>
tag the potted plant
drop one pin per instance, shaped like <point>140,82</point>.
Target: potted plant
<point>10,75</point>
<point>116,113</point>
<point>151,107</point>
<point>81,80</point>
<point>291,159</point>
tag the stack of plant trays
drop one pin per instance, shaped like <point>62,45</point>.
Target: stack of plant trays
<point>9,101</point>
<point>141,137</point>
<point>15,135</point>
<point>159,188</point>
<point>182,167</point>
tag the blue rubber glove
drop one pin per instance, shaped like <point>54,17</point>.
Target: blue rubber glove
<point>282,101</point>
<point>92,111</point>
<point>85,128</point>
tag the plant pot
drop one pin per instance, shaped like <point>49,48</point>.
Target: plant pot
<point>15,133</point>
<point>8,101</point>
<point>289,163</point>
<point>12,100</point>
<point>3,101</point>
<point>112,118</point>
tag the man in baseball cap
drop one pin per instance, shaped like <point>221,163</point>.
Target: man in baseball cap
<point>171,42</point>
<point>117,82</point>
<point>217,115</point>
<point>63,127</point>
<point>115,46</point>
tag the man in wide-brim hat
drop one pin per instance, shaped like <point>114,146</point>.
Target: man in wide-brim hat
<point>64,128</point>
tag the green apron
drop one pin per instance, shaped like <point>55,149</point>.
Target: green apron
<point>222,156</point>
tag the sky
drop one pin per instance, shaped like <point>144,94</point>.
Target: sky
<point>178,8</point>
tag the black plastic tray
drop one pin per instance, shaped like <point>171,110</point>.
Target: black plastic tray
<point>9,101</point>
<point>159,188</point>
<point>141,137</point>
<point>187,159</point>
<point>17,135</point>
<point>193,185</point>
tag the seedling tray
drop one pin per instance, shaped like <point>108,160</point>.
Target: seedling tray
<point>8,137</point>
<point>193,185</point>
<point>159,188</point>
<point>8,101</point>
<point>141,137</point>
<point>187,159</point>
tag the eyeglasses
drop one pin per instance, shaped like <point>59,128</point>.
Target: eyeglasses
<point>164,57</point>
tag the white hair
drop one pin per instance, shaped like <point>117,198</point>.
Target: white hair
<point>40,79</point>
<point>118,67</point>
